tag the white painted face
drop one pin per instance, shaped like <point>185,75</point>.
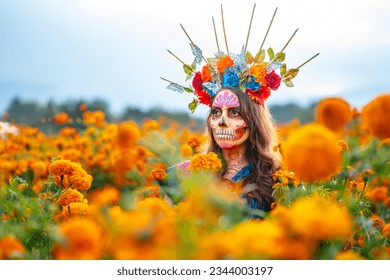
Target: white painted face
<point>229,129</point>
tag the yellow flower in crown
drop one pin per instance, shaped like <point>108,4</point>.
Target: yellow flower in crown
<point>258,72</point>
<point>254,74</point>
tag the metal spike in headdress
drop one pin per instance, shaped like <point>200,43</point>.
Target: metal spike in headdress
<point>252,74</point>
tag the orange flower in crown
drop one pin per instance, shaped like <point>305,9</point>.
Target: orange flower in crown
<point>223,63</point>
<point>255,75</point>
<point>206,74</point>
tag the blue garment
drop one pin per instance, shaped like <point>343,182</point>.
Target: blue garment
<point>241,174</point>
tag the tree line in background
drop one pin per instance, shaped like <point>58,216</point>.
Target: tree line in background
<point>41,115</point>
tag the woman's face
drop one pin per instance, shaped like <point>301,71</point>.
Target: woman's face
<point>228,127</point>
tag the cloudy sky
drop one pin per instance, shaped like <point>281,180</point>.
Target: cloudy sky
<point>116,49</point>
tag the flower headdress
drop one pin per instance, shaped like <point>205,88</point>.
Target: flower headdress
<point>253,74</point>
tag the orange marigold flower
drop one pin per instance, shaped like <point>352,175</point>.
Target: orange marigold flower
<point>61,118</point>
<point>66,173</point>
<point>283,177</point>
<point>222,247</point>
<point>387,202</point>
<point>158,174</point>
<point>334,113</point>
<point>386,230</point>
<point>104,196</point>
<point>68,196</point>
<point>83,240</point>
<point>5,217</point>
<point>244,236</point>
<point>128,134</point>
<point>7,166</point>
<point>151,125</point>
<point>374,116</point>
<point>343,146</point>
<point>73,155</point>
<point>186,150</point>
<point>224,62</point>
<point>75,209</point>
<point>348,255</point>
<point>81,180</point>
<point>83,107</point>
<point>39,168</point>
<point>377,221</point>
<point>306,217</point>
<point>68,132</point>
<point>142,151</point>
<point>11,248</point>
<point>94,118</point>
<point>206,74</point>
<point>378,194</point>
<point>355,185</point>
<point>62,167</point>
<point>193,142</point>
<point>209,162</point>
<point>312,153</point>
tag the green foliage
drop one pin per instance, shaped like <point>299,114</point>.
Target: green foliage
<point>192,106</point>
<point>29,218</point>
<point>279,57</point>
<point>271,54</point>
<point>249,57</point>
<point>260,56</point>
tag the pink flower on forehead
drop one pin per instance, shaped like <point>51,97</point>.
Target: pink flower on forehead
<point>227,99</point>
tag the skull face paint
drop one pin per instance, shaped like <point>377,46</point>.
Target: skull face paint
<point>228,127</point>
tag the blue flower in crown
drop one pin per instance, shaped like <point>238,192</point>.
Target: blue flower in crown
<point>239,60</point>
<point>253,85</point>
<point>230,79</point>
<point>211,88</point>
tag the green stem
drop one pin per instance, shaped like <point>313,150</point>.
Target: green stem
<point>364,227</point>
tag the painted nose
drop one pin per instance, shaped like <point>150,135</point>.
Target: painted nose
<point>222,122</point>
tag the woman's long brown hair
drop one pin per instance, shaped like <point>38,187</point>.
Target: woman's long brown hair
<point>259,150</point>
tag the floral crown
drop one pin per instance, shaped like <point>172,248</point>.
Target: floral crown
<point>253,74</point>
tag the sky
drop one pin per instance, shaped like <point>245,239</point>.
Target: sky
<point>116,50</point>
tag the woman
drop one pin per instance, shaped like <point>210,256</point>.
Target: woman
<point>244,133</point>
<point>235,86</point>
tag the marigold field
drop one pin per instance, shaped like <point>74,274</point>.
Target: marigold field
<point>93,194</point>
